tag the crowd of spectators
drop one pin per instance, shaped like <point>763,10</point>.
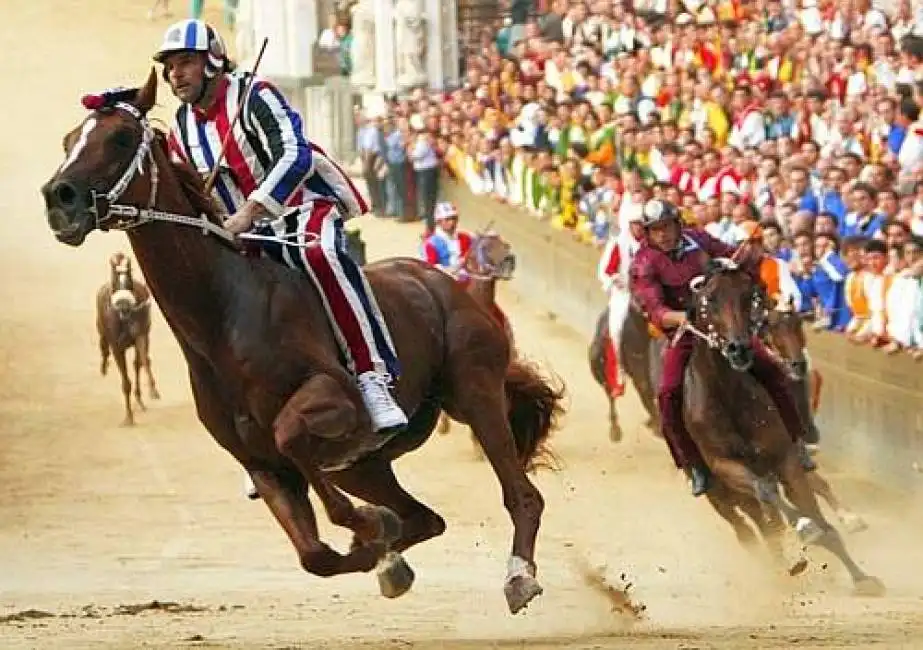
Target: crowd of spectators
<point>802,115</point>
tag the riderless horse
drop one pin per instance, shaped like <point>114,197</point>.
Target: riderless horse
<point>123,321</point>
<point>489,260</point>
<point>265,369</point>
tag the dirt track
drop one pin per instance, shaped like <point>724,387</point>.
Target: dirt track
<point>94,517</point>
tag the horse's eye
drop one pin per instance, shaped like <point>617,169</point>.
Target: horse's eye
<point>123,139</point>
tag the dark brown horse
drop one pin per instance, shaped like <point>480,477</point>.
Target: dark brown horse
<point>265,368</point>
<point>123,321</point>
<point>785,334</point>
<point>490,259</point>
<point>737,428</point>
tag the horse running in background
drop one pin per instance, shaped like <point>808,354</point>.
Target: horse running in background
<point>635,356</point>
<point>266,372</point>
<point>123,321</point>
<point>736,426</point>
<point>490,259</point>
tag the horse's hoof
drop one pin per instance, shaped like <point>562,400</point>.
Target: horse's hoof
<point>127,422</point>
<point>853,523</point>
<point>103,369</point>
<point>155,394</point>
<point>391,527</point>
<point>808,531</point>
<point>140,403</point>
<point>615,432</point>
<point>520,590</point>
<point>870,587</point>
<point>395,577</point>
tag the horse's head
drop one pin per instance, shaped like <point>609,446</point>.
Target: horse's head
<point>104,161</point>
<point>730,309</point>
<point>786,337</point>
<point>123,298</point>
<point>491,256</point>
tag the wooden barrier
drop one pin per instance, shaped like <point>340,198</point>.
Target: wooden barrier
<point>871,412</point>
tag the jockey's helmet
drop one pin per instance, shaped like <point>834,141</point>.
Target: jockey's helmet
<point>445,210</point>
<point>194,36</point>
<point>657,212</point>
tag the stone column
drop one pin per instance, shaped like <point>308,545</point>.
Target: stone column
<point>435,38</point>
<point>450,40</point>
<point>385,62</point>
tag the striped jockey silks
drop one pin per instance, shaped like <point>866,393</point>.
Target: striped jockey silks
<point>358,324</point>
<point>268,160</point>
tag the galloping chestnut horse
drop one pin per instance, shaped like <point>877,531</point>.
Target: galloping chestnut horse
<point>490,259</point>
<point>123,321</point>
<point>265,369</point>
<point>736,426</point>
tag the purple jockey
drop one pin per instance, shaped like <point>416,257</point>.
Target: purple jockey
<point>669,258</point>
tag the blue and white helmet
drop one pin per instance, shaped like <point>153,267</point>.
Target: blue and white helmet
<point>194,36</point>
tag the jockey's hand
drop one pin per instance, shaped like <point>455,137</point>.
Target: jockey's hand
<point>242,220</point>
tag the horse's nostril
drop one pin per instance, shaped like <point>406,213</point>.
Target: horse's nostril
<point>66,194</point>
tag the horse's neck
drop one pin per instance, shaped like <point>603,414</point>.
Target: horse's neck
<point>190,275</point>
<point>484,290</point>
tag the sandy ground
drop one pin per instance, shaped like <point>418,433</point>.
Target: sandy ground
<point>97,521</point>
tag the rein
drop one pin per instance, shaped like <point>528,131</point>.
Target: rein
<point>119,216</point>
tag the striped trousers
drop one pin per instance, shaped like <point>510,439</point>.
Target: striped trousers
<point>358,325</point>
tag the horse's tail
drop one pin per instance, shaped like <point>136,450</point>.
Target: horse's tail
<point>534,405</point>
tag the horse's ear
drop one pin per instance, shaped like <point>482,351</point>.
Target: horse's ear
<point>147,94</point>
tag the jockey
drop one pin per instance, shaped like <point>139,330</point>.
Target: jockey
<point>273,175</point>
<point>613,274</point>
<point>669,258</point>
<point>447,247</point>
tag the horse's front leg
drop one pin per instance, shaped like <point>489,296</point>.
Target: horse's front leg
<point>143,347</point>
<point>138,363</point>
<point>122,363</point>
<point>103,354</point>
<point>853,522</point>
<point>321,410</point>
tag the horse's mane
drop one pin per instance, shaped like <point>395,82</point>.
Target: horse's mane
<point>190,182</point>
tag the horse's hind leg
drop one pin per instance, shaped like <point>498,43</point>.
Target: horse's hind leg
<point>373,481</point>
<point>122,364</point>
<point>143,348</point>
<point>799,492</point>
<point>851,521</point>
<point>485,410</point>
<point>615,428</point>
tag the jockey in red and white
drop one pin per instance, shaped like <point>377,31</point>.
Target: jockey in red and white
<point>613,268</point>
<point>273,175</point>
<point>447,246</point>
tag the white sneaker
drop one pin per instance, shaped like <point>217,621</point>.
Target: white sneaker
<point>382,408</point>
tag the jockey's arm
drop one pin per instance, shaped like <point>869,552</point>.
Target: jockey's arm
<point>648,291</point>
<point>292,161</point>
